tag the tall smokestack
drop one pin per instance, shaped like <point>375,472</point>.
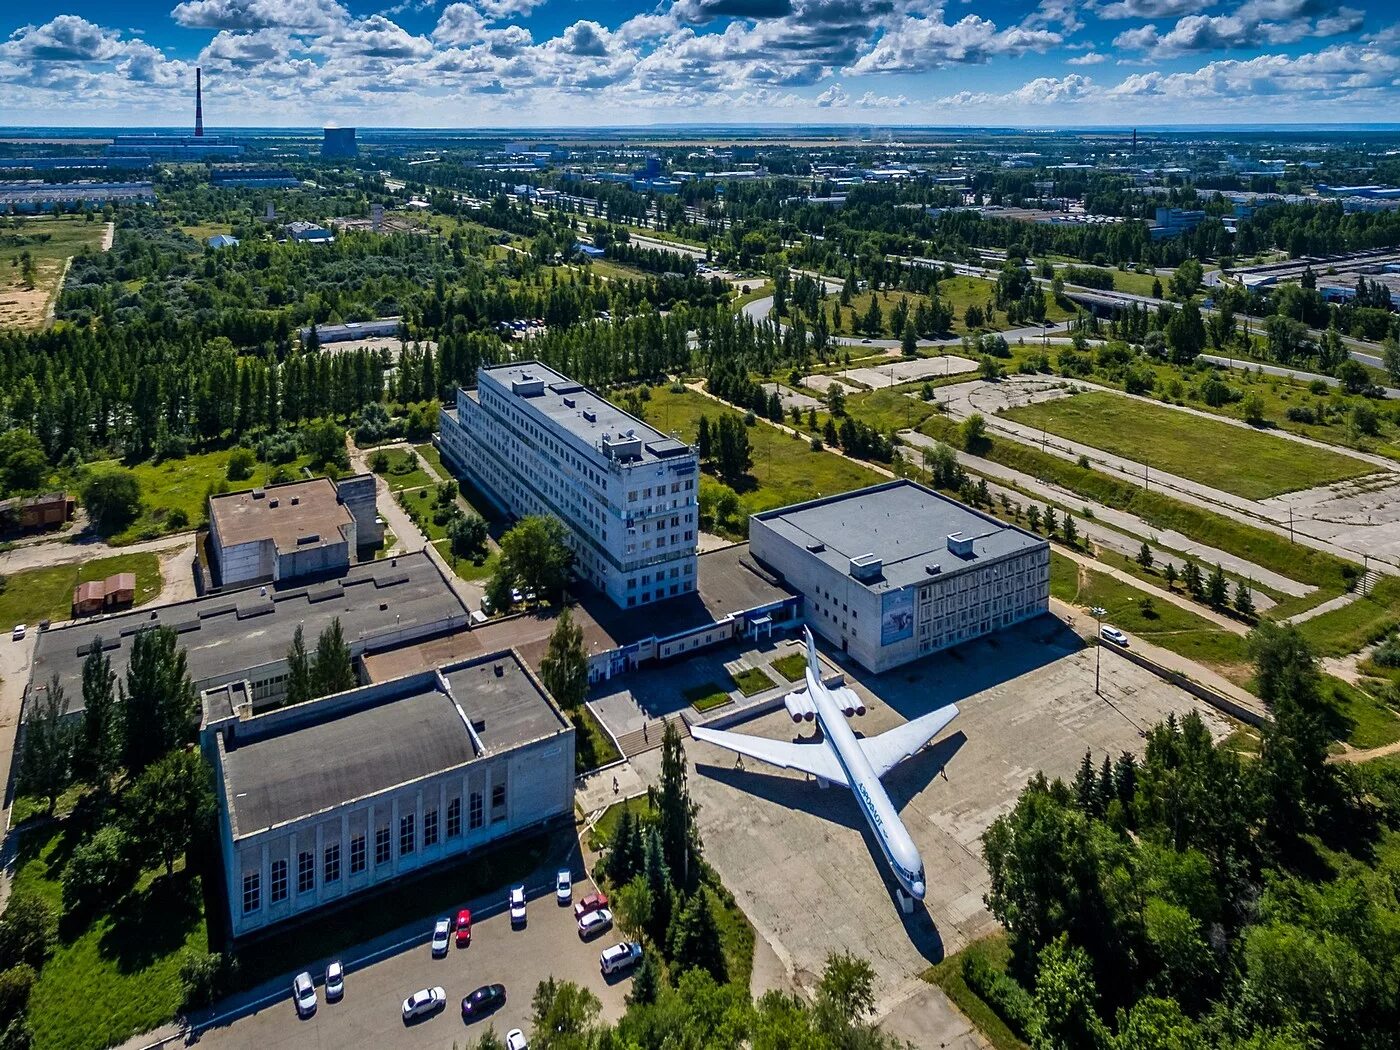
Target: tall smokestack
<point>198,103</point>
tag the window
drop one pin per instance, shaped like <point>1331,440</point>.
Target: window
<point>405,834</point>
<point>381,845</point>
<point>430,828</point>
<point>278,882</point>
<point>330,870</point>
<point>498,796</point>
<point>476,810</point>
<point>454,818</point>
<point>306,872</point>
<point>252,892</point>
<point>357,854</point>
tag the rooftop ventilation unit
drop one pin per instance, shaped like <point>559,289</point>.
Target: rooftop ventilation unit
<point>623,446</point>
<point>272,503</point>
<point>590,415</point>
<point>569,402</point>
<point>296,501</point>
<point>527,385</point>
<point>960,545</point>
<point>867,567</point>
<point>933,570</point>
<point>816,546</point>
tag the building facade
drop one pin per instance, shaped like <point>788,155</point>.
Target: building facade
<point>894,572</point>
<point>342,794</point>
<point>536,442</point>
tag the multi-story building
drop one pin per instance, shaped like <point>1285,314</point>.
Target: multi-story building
<point>536,442</point>
<point>896,571</point>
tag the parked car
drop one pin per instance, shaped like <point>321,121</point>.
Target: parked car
<point>335,981</point>
<point>304,994</point>
<point>1114,635</point>
<point>515,1040</point>
<point>620,957</point>
<point>464,928</point>
<point>594,923</point>
<point>592,902</point>
<point>423,1002</point>
<point>17,634</point>
<point>482,1001</point>
<point>517,905</point>
<point>441,934</point>
<point>564,887</point>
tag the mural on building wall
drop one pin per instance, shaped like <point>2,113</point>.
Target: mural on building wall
<point>897,616</point>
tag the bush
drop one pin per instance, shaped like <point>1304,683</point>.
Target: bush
<point>27,931</point>
<point>1301,414</point>
<point>112,499</point>
<point>203,975</point>
<point>179,518</point>
<point>99,871</point>
<point>240,464</point>
<point>1387,654</point>
<point>379,462</point>
<point>278,448</point>
<point>1012,1003</point>
<point>15,985</point>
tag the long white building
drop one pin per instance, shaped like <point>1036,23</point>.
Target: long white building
<point>535,442</point>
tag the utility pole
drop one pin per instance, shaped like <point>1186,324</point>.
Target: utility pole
<point>1098,612</point>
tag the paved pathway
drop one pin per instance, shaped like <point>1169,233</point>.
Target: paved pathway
<point>64,552</point>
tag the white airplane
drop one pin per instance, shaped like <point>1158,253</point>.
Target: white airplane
<point>843,758</point>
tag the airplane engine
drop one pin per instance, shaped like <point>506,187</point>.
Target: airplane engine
<point>850,703</point>
<point>794,707</point>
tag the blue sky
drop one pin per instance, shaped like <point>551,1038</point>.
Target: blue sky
<point>430,63</point>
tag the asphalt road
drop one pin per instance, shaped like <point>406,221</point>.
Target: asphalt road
<point>369,1015</point>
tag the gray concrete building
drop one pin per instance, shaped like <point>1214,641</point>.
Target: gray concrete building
<point>243,636</point>
<point>335,796</point>
<point>893,572</point>
<point>302,528</point>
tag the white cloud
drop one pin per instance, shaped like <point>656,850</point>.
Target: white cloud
<point>1147,8</point>
<point>66,38</point>
<point>245,15</point>
<point>918,44</point>
<point>1089,58</point>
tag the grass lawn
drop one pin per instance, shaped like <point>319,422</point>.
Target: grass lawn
<point>405,472</point>
<point>1137,283</point>
<point>707,697</point>
<point>948,975</point>
<point>1364,721</point>
<point>792,667</point>
<point>183,485</point>
<point>592,745</point>
<point>422,503</point>
<point>1243,461</point>
<point>114,975</point>
<point>465,568</point>
<point>203,231</point>
<point>753,681</point>
<point>429,453</point>
<point>602,831</point>
<point>785,469</point>
<point>50,241</point>
<point>1356,624</point>
<point>47,594</point>
<point>1164,624</point>
<point>1269,549</point>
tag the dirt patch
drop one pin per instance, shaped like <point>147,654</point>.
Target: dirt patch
<point>23,307</point>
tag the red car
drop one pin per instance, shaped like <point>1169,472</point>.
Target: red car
<point>592,902</point>
<point>463,925</point>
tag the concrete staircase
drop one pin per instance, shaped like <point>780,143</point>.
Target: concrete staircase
<point>649,737</point>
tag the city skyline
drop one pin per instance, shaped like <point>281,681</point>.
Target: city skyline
<point>557,63</point>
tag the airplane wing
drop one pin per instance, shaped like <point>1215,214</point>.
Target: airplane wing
<point>816,759</point>
<point>891,748</point>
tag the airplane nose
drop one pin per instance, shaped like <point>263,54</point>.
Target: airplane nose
<point>918,889</point>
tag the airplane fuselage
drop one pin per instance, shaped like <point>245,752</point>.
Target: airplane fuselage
<point>900,852</point>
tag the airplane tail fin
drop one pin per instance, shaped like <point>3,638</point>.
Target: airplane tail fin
<point>812,654</point>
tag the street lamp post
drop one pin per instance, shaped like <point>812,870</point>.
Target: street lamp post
<point>1098,612</point>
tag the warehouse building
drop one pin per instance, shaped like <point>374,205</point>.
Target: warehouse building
<point>894,572</point>
<point>283,532</point>
<point>243,636</point>
<point>335,796</point>
<point>535,442</point>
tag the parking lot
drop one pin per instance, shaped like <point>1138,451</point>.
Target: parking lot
<point>801,860</point>
<point>369,1014</point>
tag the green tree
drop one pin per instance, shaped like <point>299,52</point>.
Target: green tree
<point>100,869</point>
<point>1244,599</point>
<point>332,670</point>
<point>27,930</point>
<point>694,940</point>
<point>646,981</point>
<point>299,688</point>
<point>1065,999</point>
<point>535,556</point>
<point>99,740</point>
<point>835,400</point>
<point>973,432</point>
<point>112,498</point>
<point>846,990</point>
<point>733,455</point>
<point>1169,575</point>
<point>1186,334</point>
<point>23,464</point>
<point>46,758</point>
<point>158,699</point>
<point>703,444</point>
<point>1157,1024</point>
<point>1051,522</point>
<point>1033,517</point>
<point>467,535</point>
<point>1218,588</point>
<point>564,1016</point>
<point>240,464</point>
<point>1187,279</point>
<point>564,668</point>
<point>1070,530</point>
<point>675,812</point>
<point>1144,556</point>
<point>324,443</point>
<point>170,806</point>
<point>1390,351</point>
<point>909,340</point>
<point>632,905</point>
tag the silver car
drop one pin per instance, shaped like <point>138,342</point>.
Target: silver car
<point>304,994</point>
<point>423,1002</point>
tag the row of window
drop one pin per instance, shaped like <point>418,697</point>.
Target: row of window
<point>383,850</point>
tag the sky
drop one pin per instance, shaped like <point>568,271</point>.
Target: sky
<point>607,63</point>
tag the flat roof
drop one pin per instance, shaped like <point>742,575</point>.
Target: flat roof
<point>607,419</point>
<point>903,524</point>
<point>293,516</point>
<point>297,762</point>
<point>230,632</point>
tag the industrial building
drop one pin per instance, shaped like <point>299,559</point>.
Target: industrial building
<point>32,196</point>
<point>253,178</point>
<point>336,796</point>
<point>339,143</point>
<point>52,510</point>
<point>243,636</point>
<point>95,596</point>
<point>379,328</point>
<point>535,442</point>
<point>894,572</point>
<point>282,532</point>
<point>307,232</point>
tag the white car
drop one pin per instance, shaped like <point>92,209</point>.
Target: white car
<point>620,957</point>
<point>594,923</point>
<point>564,887</point>
<point>1114,635</point>
<point>517,905</point>
<point>304,994</point>
<point>17,634</point>
<point>335,981</point>
<point>423,1002</point>
<point>442,933</point>
<point>515,1040</point>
